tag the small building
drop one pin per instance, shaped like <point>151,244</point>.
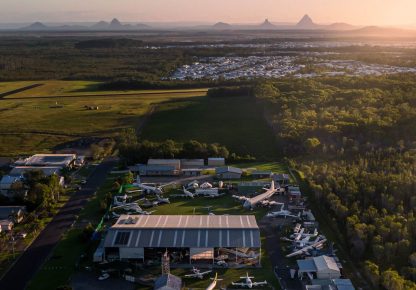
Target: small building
<point>192,163</point>
<point>6,185</point>
<point>322,267</point>
<point>176,163</point>
<point>281,178</point>
<point>261,174</point>
<point>216,161</point>
<point>53,160</point>
<point>46,170</point>
<point>155,170</point>
<point>333,284</point>
<point>228,172</point>
<point>294,193</point>
<point>6,225</point>
<point>168,282</point>
<point>12,213</point>
<point>191,172</point>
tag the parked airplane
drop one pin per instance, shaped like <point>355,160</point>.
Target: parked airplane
<point>305,250</point>
<point>162,200</point>
<point>250,203</point>
<point>150,188</point>
<point>283,213</point>
<point>205,185</point>
<point>248,282</point>
<point>131,207</point>
<point>187,193</point>
<point>213,283</point>
<point>196,273</point>
<point>250,255</point>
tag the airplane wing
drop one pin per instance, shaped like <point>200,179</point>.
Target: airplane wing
<point>206,272</point>
<point>239,284</point>
<point>167,184</point>
<point>259,283</point>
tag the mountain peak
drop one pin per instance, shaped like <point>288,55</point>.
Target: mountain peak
<point>267,24</point>
<point>221,25</point>
<point>35,26</point>
<point>306,21</point>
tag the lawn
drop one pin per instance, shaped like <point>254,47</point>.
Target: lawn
<point>68,88</point>
<point>236,122</point>
<point>34,125</point>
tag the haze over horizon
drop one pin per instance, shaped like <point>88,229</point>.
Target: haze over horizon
<point>371,12</point>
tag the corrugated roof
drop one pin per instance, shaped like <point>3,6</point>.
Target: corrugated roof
<point>227,169</point>
<point>187,222</point>
<point>188,232</point>
<point>307,265</point>
<point>325,263</point>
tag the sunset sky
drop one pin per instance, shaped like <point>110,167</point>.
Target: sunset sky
<point>363,12</point>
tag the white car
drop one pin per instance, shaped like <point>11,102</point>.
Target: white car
<point>104,276</point>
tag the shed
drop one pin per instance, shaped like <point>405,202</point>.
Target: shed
<point>155,170</point>
<point>228,172</point>
<point>261,174</point>
<point>176,163</point>
<point>192,163</point>
<point>323,267</point>
<point>216,161</point>
<point>281,178</point>
<point>168,282</point>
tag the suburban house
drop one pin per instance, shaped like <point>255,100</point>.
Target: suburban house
<point>6,225</point>
<point>6,185</point>
<point>228,172</point>
<point>12,213</point>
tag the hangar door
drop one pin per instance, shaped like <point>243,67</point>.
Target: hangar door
<point>131,253</point>
<point>202,253</point>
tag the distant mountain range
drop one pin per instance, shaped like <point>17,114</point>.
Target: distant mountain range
<point>306,23</point>
<point>114,25</point>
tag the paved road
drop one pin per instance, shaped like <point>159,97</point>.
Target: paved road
<point>32,259</point>
<point>271,232</point>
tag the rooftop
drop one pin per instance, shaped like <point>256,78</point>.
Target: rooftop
<point>226,169</point>
<point>186,222</point>
<point>48,159</point>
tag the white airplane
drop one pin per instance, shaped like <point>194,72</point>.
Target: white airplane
<point>194,184</point>
<point>205,185</point>
<point>208,192</point>
<point>213,283</point>
<point>250,255</point>
<point>196,273</point>
<point>150,188</point>
<point>187,193</point>
<point>305,250</point>
<point>301,234</point>
<point>131,207</point>
<point>283,213</point>
<point>162,200</point>
<point>248,282</point>
<point>250,203</point>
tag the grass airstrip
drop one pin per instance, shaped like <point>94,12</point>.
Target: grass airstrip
<point>56,112</point>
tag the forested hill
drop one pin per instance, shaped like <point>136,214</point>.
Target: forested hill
<point>358,136</point>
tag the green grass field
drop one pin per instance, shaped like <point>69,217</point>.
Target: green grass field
<point>38,125</point>
<point>234,122</point>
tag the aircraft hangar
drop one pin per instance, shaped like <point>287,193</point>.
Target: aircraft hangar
<point>226,240</point>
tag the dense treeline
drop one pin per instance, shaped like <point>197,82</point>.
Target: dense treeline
<point>133,151</point>
<point>108,43</point>
<point>359,137</point>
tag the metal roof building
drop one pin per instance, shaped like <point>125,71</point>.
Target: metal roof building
<point>55,160</point>
<point>131,235</point>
